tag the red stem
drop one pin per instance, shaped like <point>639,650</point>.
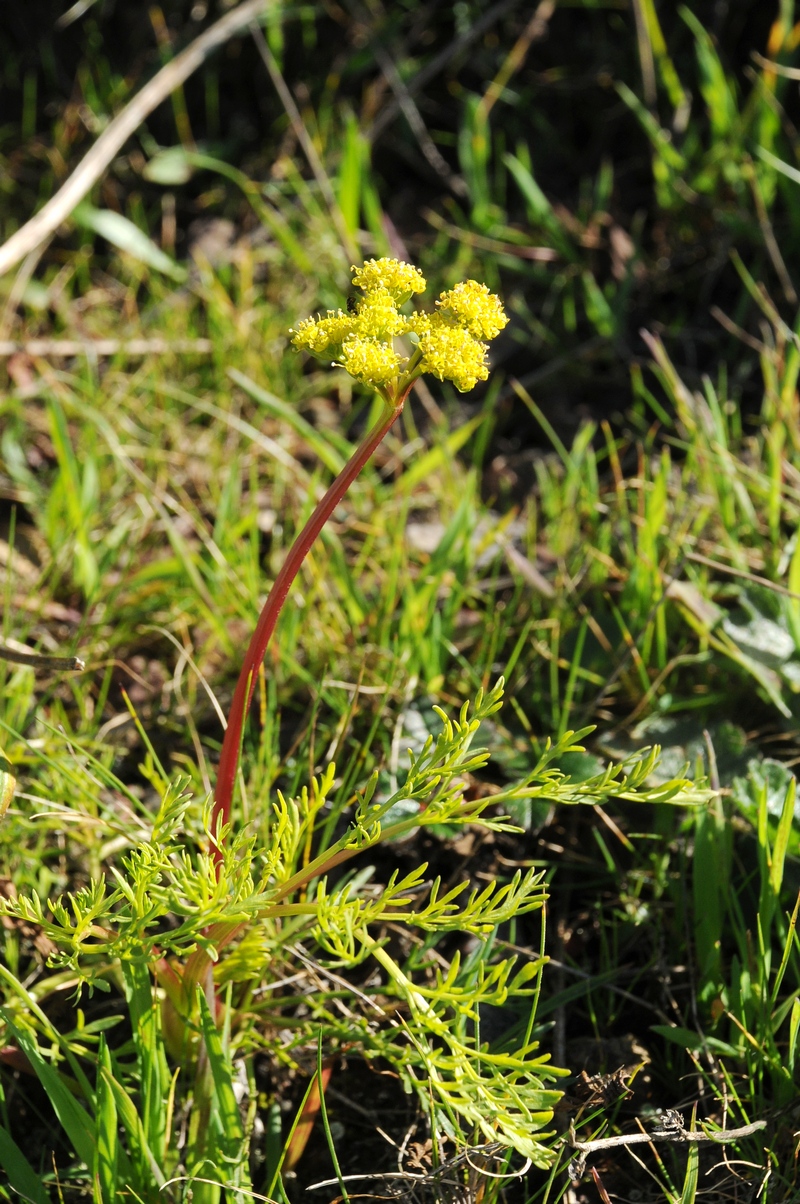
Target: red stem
<point>229,757</point>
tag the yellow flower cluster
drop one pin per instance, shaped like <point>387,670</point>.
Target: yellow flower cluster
<point>480,311</point>
<point>398,278</point>
<point>449,352</point>
<point>448,343</point>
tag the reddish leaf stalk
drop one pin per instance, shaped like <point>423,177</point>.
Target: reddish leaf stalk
<point>229,757</point>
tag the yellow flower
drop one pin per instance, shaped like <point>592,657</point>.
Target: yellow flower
<point>370,361</point>
<point>400,279</point>
<point>448,342</point>
<point>451,353</point>
<point>479,310</point>
<point>377,315</point>
<point>319,335</point>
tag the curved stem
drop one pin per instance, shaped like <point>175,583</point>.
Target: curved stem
<point>229,757</point>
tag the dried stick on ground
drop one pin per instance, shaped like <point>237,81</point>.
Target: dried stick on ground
<point>40,660</point>
<point>676,1135</point>
<point>114,137</point>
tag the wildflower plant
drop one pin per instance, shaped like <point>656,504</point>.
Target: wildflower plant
<point>215,920</point>
<point>448,343</point>
<point>213,932</point>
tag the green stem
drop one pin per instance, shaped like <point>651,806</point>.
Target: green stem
<point>229,756</point>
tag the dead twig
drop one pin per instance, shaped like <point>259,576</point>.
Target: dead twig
<point>734,572</point>
<point>492,1151</point>
<point>40,660</point>
<point>694,1136</point>
<point>114,137</point>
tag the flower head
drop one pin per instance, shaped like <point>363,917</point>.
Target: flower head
<point>450,352</point>
<point>370,361</point>
<point>480,311</point>
<point>398,278</point>
<point>448,343</point>
<point>318,335</point>
<point>378,315</point>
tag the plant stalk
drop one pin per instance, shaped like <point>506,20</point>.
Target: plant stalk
<point>229,757</point>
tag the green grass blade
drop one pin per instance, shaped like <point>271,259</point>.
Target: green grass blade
<point>788,946</point>
<point>794,1027</point>
<point>782,839</point>
<point>350,175</point>
<point>142,1156</point>
<point>22,1178</point>
<point>716,89</point>
<point>126,236</point>
<point>540,211</point>
<point>666,68</point>
<point>689,1192</point>
<point>667,154</point>
<point>219,1061</point>
<point>154,1074</point>
<point>598,310</point>
<point>326,1124</point>
<point>274,1182</point>
<point>441,454</point>
<point>106,1138</point>
<point>333,457</point>
<point>74,1119</point>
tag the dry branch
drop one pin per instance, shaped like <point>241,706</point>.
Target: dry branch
<point>718,1136</point>
<point>114,137</point>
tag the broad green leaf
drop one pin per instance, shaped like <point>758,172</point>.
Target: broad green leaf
<point>169,167</point>
<point>126,236</point>
<point>762,639</point>
<point>686,1039</point>
<point>769,775</point>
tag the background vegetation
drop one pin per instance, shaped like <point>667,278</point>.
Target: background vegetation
<point>611,524</point>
